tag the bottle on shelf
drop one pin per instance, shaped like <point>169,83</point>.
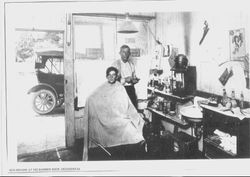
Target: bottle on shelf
<point>165,106</point>
<point>168,89</point>
<point>153,95</point>
<point>224,100</point>
<point>173,84</point>
<point>160,104</point>
<point>164,83</point>
<point>170,84</point>
<point>153,81</point>
<point>161,130</point>
<point>160,84</point>
<point>156,81</point>
<point>233,99</point>
<point>150,83</point>
<point>241,100</point>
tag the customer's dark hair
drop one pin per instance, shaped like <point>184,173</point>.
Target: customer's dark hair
<point>124,47</point>
<point>111,68</point>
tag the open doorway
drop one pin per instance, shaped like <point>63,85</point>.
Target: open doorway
<point>39,68</point>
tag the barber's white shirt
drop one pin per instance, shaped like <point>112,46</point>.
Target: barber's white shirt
<point>125,70</point>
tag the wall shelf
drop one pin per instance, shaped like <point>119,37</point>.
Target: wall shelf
<point>175,97</point>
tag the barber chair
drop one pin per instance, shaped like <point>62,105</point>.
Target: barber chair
<point>122,152</point>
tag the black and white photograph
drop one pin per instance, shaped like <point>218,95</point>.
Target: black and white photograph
<point>125,87</point>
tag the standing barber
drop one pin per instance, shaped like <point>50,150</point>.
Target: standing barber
<point>126,73</point>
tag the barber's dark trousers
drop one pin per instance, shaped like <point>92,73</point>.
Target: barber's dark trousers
<point>132,95</point>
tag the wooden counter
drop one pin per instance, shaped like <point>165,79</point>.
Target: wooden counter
<point>232,113</point>
<point>226,133</point>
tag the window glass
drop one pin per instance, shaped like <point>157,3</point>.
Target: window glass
<point>97,38</point>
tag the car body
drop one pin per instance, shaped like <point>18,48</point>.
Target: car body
<point>49,92</point>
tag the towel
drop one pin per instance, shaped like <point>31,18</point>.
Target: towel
<point>228,142</point>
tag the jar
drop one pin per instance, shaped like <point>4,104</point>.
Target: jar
<point>165,106</point>
<point>168,106</point>
<point>160,107</point>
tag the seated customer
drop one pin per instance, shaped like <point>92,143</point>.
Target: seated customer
<point>114,122</point>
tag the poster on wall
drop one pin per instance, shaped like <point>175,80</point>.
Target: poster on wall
<point>237,44</point>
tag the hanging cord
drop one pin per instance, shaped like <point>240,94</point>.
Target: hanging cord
<point>150,31</point>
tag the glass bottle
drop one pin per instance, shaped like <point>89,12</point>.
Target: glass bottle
<point>160,83</point>
<point>153,95</point>
<point>156,81</point>
<point>233,100</point>
<point>165,106</point>
<point>153,81</point>
<point>173,84</point>
<point>241,100</point>
<point>150,81</point>
<point>168,89</point>
<point>224,98</point>
<point>170,84</point>
<point>161,130</point>
<point>151,98</point>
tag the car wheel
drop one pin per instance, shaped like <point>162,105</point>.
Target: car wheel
<point>44,101</point>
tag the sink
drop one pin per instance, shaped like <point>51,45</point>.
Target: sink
<point>192,114</point>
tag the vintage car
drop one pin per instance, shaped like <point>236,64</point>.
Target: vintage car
<point>49,92</point>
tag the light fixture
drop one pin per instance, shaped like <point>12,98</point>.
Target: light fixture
<point>127,27</point>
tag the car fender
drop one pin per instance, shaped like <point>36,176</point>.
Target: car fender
<point>43,86</point>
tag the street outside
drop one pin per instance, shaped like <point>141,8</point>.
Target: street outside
<point>37,132</point>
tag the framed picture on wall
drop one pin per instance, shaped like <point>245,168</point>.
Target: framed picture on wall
<point>237,44</point>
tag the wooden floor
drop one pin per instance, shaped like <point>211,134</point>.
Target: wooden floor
<point>125,152</point>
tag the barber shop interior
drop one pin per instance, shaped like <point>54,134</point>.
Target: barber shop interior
<point>130,85</point>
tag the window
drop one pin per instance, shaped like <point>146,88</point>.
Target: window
<point>96,38</point>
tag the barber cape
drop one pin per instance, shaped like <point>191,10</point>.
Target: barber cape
<point>113,120</point>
